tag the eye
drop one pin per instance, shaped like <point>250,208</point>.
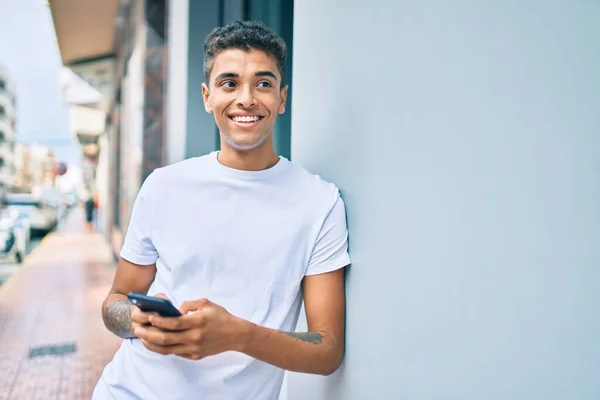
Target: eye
<point>264,84</point>
<point>228,84</point>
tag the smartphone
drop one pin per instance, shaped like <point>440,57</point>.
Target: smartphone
<point>162,307</point>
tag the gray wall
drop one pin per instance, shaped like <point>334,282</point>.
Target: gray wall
<point>191,131</point>
<point>202,134</point>
<point>465,137</point>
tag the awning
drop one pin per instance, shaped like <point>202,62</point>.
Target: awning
<point>85,31</point>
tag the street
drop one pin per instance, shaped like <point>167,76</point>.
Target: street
<point>9,266</point>
<point>52,338</point>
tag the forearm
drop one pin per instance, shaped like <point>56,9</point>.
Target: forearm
<point>116,313</point>
<point>308,352</point>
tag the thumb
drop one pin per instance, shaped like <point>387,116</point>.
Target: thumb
<point>162,296</point>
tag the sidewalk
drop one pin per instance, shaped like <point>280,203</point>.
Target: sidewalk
<point>55,300</point>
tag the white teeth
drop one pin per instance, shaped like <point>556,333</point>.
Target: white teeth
<point>245,118</point>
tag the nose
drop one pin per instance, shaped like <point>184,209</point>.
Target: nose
<point>246,97</point>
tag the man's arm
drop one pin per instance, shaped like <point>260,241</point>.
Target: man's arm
<point>117,309</point>
<point>318,351</point>
<point>206,329</point>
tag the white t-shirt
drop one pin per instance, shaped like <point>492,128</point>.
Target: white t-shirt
<point>241,239</point>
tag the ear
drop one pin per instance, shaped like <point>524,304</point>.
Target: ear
<point>282,99</point>
<point>206,98</point>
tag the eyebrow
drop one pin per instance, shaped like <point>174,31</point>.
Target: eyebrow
<point>266,73</point>
<point>224,75</point>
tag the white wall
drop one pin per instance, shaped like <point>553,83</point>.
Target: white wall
<point>102,184</point>
<point>465,139</point>
<point>177,82</point>
<point>86,120</point>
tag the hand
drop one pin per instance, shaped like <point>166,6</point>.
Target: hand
<point>140,318</point>
<point>205,329</point>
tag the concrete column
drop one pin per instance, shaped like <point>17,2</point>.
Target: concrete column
<point>177,80</point>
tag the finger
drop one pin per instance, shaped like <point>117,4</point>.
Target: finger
<point>175,349</point>
<point>182,323</point>
<point>195,305</point>
<point>135,325</point>
<point>162,296</point>
<point>170,323</point>
<point>158,337</point>
<point>140,317</point>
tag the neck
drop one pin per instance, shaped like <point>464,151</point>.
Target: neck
<point>261,158</point>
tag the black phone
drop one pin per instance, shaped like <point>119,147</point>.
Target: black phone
<point>162,307</point>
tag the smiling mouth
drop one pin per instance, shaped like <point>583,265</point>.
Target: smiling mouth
<point>245,119</point>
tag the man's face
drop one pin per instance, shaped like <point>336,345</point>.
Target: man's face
<point>245,97</point>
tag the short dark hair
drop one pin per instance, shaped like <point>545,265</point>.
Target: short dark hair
<point>244,35</point>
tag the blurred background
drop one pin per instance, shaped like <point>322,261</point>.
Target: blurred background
<point>464,136</point>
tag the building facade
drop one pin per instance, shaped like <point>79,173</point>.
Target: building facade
<point>464,139</point>
<point>8,119</point>
<point>34,168</point>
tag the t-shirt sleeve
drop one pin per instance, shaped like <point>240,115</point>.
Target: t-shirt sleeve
<point>138,247</point>
<point>331,248</point>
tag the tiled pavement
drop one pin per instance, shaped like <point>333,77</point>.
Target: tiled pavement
<point>55,299</point>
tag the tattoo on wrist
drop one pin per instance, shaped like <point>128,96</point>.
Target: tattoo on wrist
<point>117,318</point>
<point>309,337</point>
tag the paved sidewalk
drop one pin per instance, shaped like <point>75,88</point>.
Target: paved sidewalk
<point>54,300</point>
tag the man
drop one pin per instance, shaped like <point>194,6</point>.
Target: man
<point>235,239</point>
<point>90,204</point>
